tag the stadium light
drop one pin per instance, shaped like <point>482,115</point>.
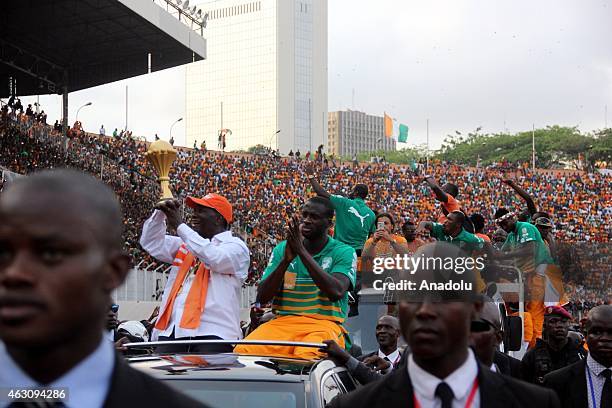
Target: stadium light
<point>186,5</point>
<point>179,2</point>
<point>275,133</point>
<point>175,122</point>
<point>193,10</point>
<point>205,20</point>
<point>77,114</point>
<point>199,14</point>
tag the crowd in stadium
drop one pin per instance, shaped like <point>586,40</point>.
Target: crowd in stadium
<point>266,188</point>
<point>282,207</point>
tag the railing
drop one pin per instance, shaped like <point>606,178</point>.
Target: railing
<point>146,283</point>
<point>190,15</point>
<point>143,283</point>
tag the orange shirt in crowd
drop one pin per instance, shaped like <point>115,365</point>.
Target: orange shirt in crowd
<point>452,204</point>
<point>483,236</point>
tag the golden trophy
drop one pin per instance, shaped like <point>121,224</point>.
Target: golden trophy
<point>161,154</point>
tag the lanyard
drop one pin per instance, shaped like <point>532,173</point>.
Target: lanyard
<point>399,356</point>
<point>468,403</point>
<point>393,363</point>
<point>591,386</point>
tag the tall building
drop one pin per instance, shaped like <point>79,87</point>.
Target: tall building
<point>351,132</point>
<point>265,76</point>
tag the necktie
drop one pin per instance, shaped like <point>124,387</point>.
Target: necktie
<point>388,370</point>
<point>606,392</point>
<point>445,393</point>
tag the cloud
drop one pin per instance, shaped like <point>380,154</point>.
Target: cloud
<point>464,64</point>
<point>459,63</point>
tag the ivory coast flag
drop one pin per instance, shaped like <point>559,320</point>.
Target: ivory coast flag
<point>388,126</point>
<point>403,133</point>
<point>392,130</point>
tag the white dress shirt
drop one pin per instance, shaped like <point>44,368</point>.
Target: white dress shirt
<point>595,370</point>
<point>227,257</point>
<point>460,381</point>
<point>393,358</point>
<point>87,383</point>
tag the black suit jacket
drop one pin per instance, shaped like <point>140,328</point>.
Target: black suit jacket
<point>507,365</point>
<point>132,388</point>
<point>496,390</point>
<point>570,385</point>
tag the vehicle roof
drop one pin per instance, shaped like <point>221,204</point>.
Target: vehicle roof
<point>225,366</point>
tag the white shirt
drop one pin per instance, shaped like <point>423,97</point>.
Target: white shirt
<point>460,381</point>
<point>394,357</point>
<point>87,383</point>
<point>598,380</point>
<point>227,257</point>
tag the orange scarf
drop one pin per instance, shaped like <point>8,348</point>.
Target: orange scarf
<point>196,298</point>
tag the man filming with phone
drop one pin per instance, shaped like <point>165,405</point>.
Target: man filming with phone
<point>382,244</point>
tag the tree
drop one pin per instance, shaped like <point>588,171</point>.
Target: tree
<point>407,155</point>
<point>555,146</point>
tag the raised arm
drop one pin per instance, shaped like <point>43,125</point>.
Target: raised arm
<point>440,195</point>
<point>155,241</point>
<point>270,284</point>
<point>314,183</point>
<point>334,285</point>
<point>531,207</point>
<point>424,226</point>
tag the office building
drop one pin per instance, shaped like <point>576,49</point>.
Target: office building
<point>265,76</point>
<point>352,132</point>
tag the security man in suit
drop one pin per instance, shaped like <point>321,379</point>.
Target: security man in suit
<point>387,335</point>
<point>372,366</point>
<point>61,257</point>
<point>553,352</point>
<point>442,370</point>
<point>486,336</point>
<point>587,383</point>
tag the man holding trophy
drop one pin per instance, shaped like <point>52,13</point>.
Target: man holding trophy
<point>201,299</point>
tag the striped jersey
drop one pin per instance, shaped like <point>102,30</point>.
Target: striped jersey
<point>299,294</point>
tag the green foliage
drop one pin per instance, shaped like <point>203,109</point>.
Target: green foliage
<point>553,144</point>
<point>258,149</point>
<point>404,156</point>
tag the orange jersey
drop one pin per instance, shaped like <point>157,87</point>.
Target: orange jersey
<point>452,204</point>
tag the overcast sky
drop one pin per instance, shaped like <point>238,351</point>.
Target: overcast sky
<point>462,64</point>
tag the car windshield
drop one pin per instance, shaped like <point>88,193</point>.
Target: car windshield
<point>254,394</point>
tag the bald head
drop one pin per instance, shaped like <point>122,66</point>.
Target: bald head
<point>600,312</point>
<point>60,260</point>
<point>68,192</point>
<point>490,313</point>
<point>389,321</point>
<point>387,333</point>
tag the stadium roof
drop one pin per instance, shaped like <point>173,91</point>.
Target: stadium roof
<point>46,44</point>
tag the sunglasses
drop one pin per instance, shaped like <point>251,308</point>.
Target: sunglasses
<point>480,326</point>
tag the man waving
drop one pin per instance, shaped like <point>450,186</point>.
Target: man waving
<point>202,296</point>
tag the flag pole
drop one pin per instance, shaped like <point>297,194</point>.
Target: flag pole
<point>427,154</point>
<point>533,147</point>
